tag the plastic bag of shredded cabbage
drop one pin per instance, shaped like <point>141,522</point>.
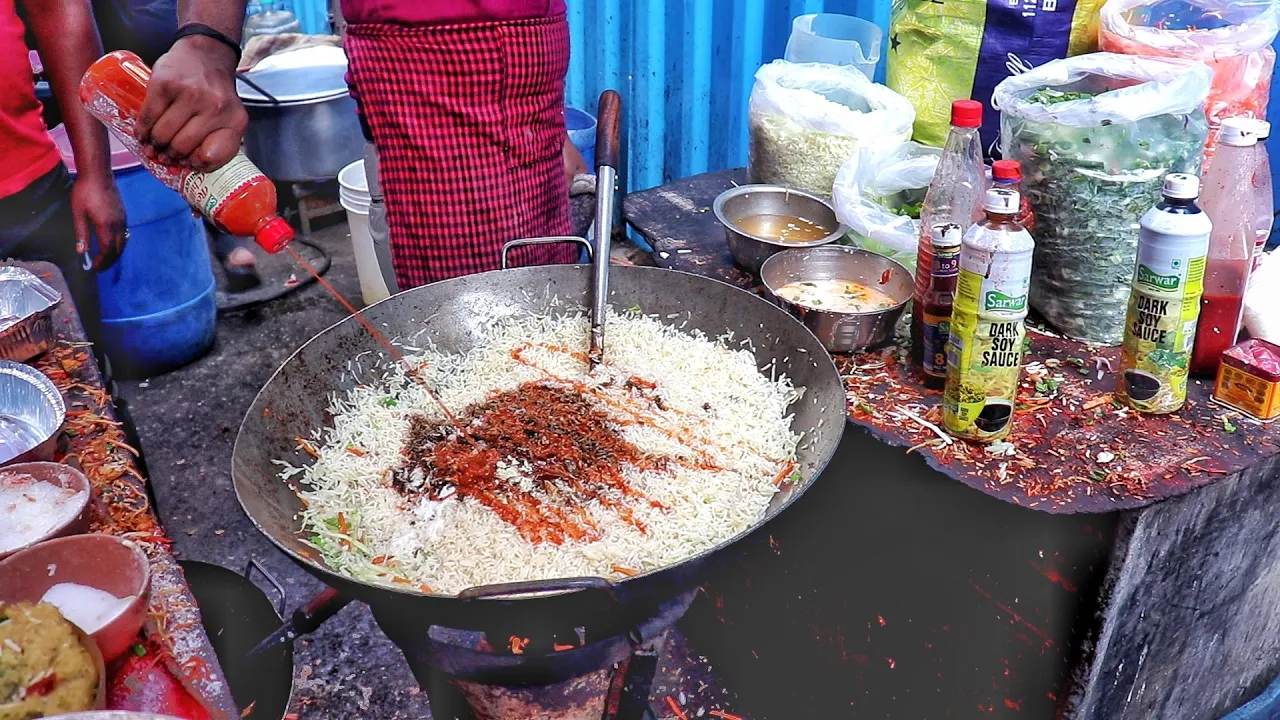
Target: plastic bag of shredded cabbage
<point>807,119</point>
<point>945,51</point>
<point>1232,37</point>
<point>1096,134</point>
<point>878,193</point>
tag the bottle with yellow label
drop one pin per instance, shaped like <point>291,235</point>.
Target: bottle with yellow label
<point>1164,305</point>
<point>984,349</point>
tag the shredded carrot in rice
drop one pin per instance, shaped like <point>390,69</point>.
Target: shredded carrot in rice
<point>790,467</point>
<point>306,447</point>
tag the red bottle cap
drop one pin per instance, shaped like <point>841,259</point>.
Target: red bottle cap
<point>966,113</point>
<point>1007,170</point>
<point>274,235</point>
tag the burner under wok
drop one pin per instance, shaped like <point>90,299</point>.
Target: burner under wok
<point>560,673</point>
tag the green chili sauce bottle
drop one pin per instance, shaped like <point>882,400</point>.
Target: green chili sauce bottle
<point>1164,305</point>
<point>984,348</point>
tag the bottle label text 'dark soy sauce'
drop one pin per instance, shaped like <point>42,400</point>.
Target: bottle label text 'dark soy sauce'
<point>984,351</point>
<point>1164,304</point>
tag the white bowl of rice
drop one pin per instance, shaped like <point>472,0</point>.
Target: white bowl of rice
<point>40,501</point>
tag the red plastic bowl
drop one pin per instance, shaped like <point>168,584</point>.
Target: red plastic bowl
<point>62,476</point>
<point>105,562</point>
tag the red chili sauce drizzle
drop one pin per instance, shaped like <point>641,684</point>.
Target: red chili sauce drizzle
<point>574,449</point>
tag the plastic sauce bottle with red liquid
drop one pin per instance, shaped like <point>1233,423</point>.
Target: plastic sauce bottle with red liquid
<point>1228,198</point>
<point>237,197</point>
<point>1264,196</point>
<point>1008,174</point>
<point>954,196</point>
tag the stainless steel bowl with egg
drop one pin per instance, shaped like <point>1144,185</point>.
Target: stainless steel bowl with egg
<point>849,298</point>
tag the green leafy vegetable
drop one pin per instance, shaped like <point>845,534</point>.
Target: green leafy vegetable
<point>911,210</point>
<point>1049,96</point>
<point>1227,424</point>
<point>389,402</point>
<point>1089,186</point>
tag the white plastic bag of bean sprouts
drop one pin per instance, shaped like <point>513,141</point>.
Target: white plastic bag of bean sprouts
<point>878,193</point>
<point>1262,300</point>
<point>807,119</point>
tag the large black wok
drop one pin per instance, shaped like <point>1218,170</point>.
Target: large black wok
<point>456,314</point>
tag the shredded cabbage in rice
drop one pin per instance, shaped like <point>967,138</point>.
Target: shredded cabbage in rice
<point>715,403</point>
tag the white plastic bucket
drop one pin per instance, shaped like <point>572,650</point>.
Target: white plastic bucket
<point>353,193</point>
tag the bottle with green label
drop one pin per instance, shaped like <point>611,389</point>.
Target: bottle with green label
<point>1164,304</point>
<point>984,349</point>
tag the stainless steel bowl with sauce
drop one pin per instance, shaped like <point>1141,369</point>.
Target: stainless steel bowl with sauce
<point>849,298</point>
<point>761,220</point>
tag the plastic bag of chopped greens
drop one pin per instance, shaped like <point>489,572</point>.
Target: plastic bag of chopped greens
<point>1096,134</point>
<point>807,119</point>
<point>878,193</point>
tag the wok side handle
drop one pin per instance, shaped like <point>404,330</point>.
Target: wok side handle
<point>553,240</point>
<point>248,575</point>
<point>533,588</point>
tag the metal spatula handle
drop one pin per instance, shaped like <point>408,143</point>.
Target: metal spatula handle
<point>608,122</point>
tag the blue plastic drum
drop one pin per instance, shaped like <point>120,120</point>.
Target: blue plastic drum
<point>159,301</point>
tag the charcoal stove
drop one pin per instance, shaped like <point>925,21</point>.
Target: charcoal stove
<point>473,675</point>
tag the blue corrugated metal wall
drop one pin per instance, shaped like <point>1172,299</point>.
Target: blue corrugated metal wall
<point>685,69</point>
<point>313,15</point>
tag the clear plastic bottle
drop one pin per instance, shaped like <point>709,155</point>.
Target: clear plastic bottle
<point>1164,303</point>
<point>1228,199</point>
<point>236,197</point>
<point>984,348</point>
<point>1264,196</point>
<point>954,196</point>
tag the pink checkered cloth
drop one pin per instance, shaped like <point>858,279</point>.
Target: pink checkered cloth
<point>469,125</point>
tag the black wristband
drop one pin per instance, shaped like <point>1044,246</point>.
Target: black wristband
<point>210,32</point>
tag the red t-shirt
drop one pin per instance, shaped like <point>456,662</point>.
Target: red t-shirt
<point>447,12</point>
<point>26,150</point>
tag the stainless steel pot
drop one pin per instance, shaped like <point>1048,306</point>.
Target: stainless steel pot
<point>749,250</point>
<point>303,125</point>
<point>841,332</point>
